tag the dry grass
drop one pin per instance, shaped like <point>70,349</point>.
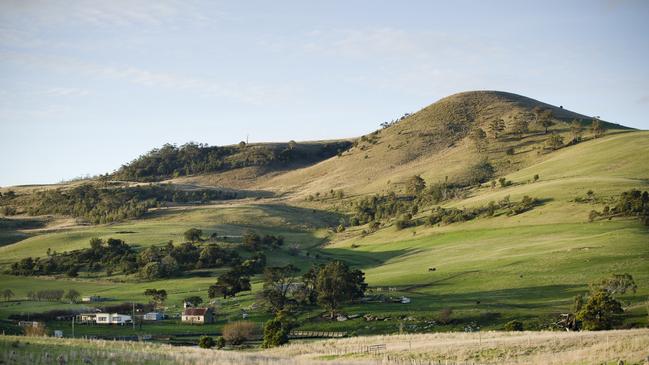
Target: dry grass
<point>631,346</point>
<point>486,348</point>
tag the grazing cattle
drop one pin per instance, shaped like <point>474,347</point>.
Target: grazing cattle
<point>431,269</point>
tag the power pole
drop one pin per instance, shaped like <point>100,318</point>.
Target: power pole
<point>73,326</point>
<point>133,318</point>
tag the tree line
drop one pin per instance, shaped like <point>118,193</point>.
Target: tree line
<point>196,158</point>
<point>115,255</point>
<point>108,204</point>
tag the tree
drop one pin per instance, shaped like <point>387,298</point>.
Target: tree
<point>152,270</point>
<point>7,294</point>
<point>229,284</point>
<point>72,295</point>
<point>576,129</point>
<point>169,266</point>
<point>544,119</point>
<point>618,284</point>
<point>514,326</point>
<point>195,300</point>
<point>479,139</point>
<point>520,125</point>
<point>157,296</point>
<point>308,294</point>
<point>555,141</point>
<point>336,283</point>
<point>597,128</point>
<point>279,283</point>
<point>193,234</point>
<point>415,185</point>
<point>251,240</point>
<point>276,330</point>
<point>220,342</point>
<point>73,271</point>
<point>96,243</point>
<point>206,342</point>
<point>601,311</point>
<point>496,126</point>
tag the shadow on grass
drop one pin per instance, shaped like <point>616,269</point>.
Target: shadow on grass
<point>363,260</point>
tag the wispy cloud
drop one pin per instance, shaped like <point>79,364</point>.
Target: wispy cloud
<point>243,92</point>
<point>99,13</point>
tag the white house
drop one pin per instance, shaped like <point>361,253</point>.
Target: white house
<point>86,318</point>
<point>91,298</point>
<point>113,318</point>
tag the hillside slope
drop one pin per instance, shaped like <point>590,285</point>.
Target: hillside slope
<point>433,143</point>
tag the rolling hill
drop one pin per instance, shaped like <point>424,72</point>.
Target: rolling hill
<point>432,143</point>
<point>488,269</point>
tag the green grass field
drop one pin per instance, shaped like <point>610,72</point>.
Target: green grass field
<point>488,270</point>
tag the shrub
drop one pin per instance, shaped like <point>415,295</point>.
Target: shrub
<point>276,331</point>
<point>206,342</point>
<point>238,332</point>
<point>514,326</point>
<point>35,331</point>
<point>220,342</point>
<point>504,182</point>
<point>510,151</point>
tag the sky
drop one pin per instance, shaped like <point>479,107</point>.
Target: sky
<point>86,86</point>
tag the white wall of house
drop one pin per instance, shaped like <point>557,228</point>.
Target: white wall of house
<point>112,318</point>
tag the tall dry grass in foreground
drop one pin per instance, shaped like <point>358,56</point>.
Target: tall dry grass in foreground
<point>485,348</point>
<point>631,346</point>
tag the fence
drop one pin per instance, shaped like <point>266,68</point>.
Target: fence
<point>316,334</point>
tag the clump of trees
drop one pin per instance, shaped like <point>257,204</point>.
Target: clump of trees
<point>195,158</point>
<point>252,241</point>
<point>440,215</point>
<point>158,296</point>
<point>632,203</point>
<point>600,310</point>
<point>115,255</point>
<point>108,204</point>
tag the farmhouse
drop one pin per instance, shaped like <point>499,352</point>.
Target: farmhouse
<point>86,318</point>
<point>113,318</point>
<point>198,315</point>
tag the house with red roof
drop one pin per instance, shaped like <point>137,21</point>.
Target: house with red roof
<point>198,315</point>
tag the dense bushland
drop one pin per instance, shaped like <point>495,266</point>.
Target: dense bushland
<point>192,158</point>
<point>105,204</point>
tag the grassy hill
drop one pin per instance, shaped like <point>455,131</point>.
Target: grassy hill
<point>433,143</point>
<point>488,270</point>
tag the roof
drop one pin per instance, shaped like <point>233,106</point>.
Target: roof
<point>195,311</point>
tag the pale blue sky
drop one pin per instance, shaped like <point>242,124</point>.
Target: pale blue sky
<point>86,85</point>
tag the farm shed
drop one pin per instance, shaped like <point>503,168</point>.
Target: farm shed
<point>153,316</point>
